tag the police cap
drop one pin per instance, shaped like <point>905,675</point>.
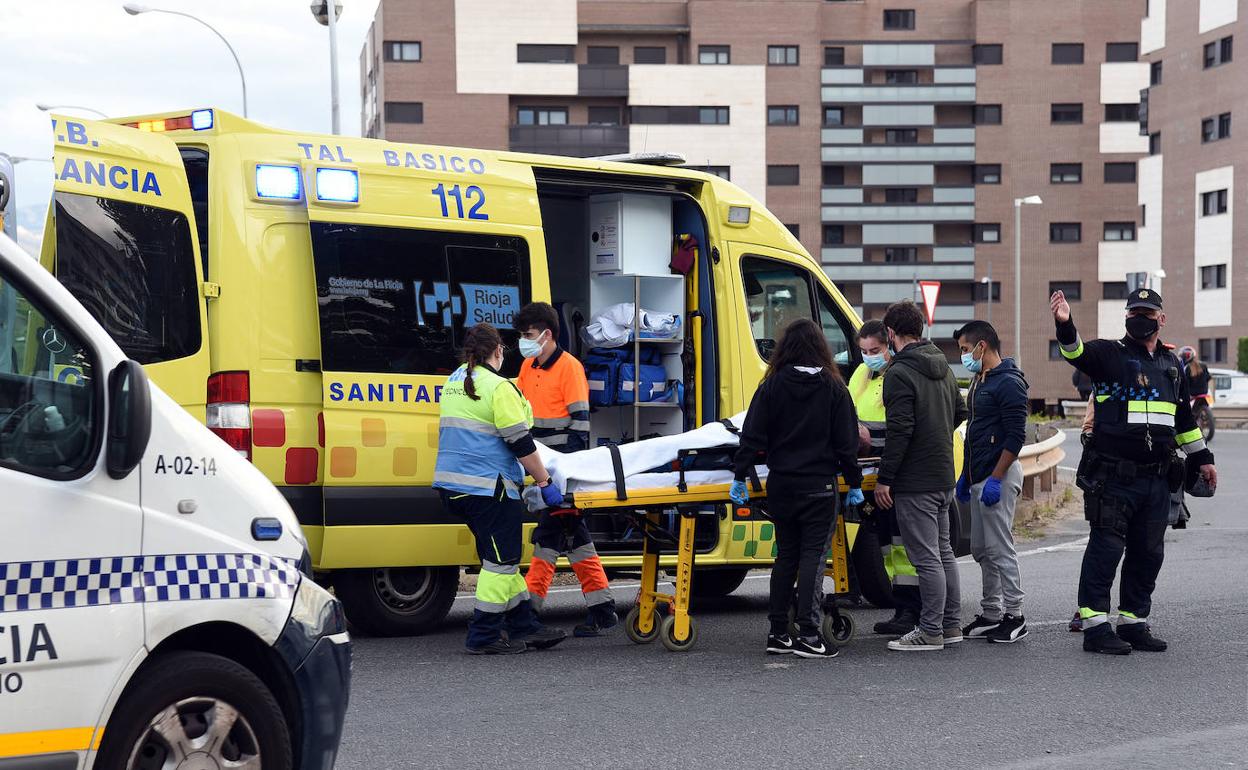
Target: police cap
<point>1144,298</point>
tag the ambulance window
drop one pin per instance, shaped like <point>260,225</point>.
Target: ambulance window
<point>48,390</point>
<point>195,161</point>
<point>133,268</point>
<point>776,293</point>
<point>839,332</point>
<point>492,283</point>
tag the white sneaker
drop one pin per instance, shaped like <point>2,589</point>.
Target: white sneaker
<point>917,641</point>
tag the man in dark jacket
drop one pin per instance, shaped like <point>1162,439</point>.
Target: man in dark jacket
<point>992,479</point>
<point>922,407</point>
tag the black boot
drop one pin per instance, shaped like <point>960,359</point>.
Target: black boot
<point>600,620</point>
<point>1140,637</point>
<point>1101,638</point>
<point>903,622</point>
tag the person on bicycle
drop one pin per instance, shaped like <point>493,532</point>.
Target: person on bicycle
<point>1199,380</point>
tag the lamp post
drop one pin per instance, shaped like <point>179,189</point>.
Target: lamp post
<point>50,107</point>
<point>134,9</point>
<point>1030,200</point>
<point>988,294</point>
<point>321,11</point>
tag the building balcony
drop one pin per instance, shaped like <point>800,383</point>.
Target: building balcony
<point>953,194</point>
<point>899,153</point>
<point>575,141</point>
<point>908,94</point>
<point>899,272</point>
<point>841,195</point>
<point>840,136</point>
<point>953,254</point>
<point>602,80</point>
<point>965,135</point>
<point>914,212</point>
<point>840,254</point>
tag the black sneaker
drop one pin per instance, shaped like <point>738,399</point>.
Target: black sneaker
<point>543,638</point>
<point>498,647</point>
<point>1009,630</point>
<point>900,624</point>
<point>814,647</point>
<point>779,644</point>
<point>596,625</point>
<point>1140,637</point>
<point>1101,638</point>
<point>979,627</point>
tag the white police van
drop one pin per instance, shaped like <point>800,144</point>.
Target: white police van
<point>155,604</point>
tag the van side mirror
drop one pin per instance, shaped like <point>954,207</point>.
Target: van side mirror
<point>129,418</point>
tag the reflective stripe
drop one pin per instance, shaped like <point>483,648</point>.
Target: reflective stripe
<point>906,580</point>
<point>500,607</point>
<point>1092,618</point>
<point>513,432</point>
<point>552,423</point>
<point>578,406</point>
<point>1103,399</point>
<point>463,482</point>
<point>581,426</point>
<point>1153,407</point>
<point>554,439</point>
<point>467,423</point>
<point>500,569</point>
<point>1150,418</point>
<point>548,555</point>
<point>582,552</point>
<point>601,596</point>
<point>1073,350</point>
<point>1190,437</point>
<point>1127,618</point>
<point>1192,447</point>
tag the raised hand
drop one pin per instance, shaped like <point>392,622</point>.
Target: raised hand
<point>1060,307</point>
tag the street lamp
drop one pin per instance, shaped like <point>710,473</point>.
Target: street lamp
<point>50,107</point>
<point>1030,200</point>
<point>1159,274</point>
<point>320,11</point>
<point>988,283</point>
<point>134,9</point>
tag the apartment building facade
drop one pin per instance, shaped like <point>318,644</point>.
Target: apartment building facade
<point>892,136</point>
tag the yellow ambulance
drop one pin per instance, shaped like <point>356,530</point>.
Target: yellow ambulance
<point>305,295</point>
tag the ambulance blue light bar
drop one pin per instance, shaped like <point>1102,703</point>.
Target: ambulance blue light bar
<point>201,120</point>
<point>278,182</point>
<point>338,185</point>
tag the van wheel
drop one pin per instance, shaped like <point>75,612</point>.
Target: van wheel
<point>716,583</point>
<point>194,709</point>
<point>873,582</point>
<point>397,601</point>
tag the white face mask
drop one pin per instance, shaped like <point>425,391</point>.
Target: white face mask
<point>532,348</point>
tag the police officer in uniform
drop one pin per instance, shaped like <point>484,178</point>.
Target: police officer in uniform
<point>1129,467</point>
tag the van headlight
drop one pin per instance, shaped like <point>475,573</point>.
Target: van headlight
<point>316,611</point>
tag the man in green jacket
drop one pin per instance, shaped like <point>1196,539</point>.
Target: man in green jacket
<point>922,405</point>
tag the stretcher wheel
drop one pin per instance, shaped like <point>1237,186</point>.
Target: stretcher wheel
<point>838,628</point>
<point>634,633</point>
<point>667,633</point>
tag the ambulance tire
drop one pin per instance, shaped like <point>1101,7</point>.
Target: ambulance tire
<point>717,583</point>
<point>397,601</point>
<point>195,683</point>
<point>873,582</point>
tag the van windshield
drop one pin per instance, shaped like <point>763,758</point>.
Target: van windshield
<point>133,268</point>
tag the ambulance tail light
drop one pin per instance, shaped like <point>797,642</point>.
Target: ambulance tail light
<point>229,409</point>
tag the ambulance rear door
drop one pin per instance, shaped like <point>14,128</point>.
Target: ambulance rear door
<point>126,248</point>
<point>409,249</point>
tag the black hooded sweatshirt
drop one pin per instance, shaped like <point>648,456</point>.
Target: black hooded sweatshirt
<point>922,406</point>
<point>804,428</point>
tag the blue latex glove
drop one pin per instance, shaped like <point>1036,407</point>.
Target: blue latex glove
<point>552,496</point>
<point>739,493</point>
<point>964,489</point>
<point>992,492</point>
<point>855,497</point>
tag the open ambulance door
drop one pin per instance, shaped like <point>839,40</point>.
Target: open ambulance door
<point>123,242</point>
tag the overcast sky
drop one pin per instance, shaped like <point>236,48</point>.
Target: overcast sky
<point>94,54</point>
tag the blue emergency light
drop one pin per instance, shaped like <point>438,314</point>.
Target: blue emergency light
<point>266,529</point>
<point>278,182</point>
<point>201,120</point>
<point>339,185</point>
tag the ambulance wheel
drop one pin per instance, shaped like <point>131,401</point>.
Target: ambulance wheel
<point>837,628</point>
<point>873,582</point>
<point>196,709</point>
<point>717,583</point>
<point>397,601</point>
<point>634,633</point>
<point>667,635</point>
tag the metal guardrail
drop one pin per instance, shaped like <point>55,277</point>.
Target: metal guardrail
<point>1231,414</point>
<point>1040,461</point>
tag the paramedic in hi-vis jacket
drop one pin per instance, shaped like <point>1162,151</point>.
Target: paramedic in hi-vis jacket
<point>554,383</point>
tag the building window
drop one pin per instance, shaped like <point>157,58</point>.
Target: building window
<point>901,195</point>
<point>1154,74</point>
<point>783,175</point>
<point>723,172</point>
<point>1122,113</point>
<point>1065,173</point>
<point>986,292</point>
<point>796,230</point>
<point>542,116</point>
<point>901,136</point>
<point>1213,350</point>
<point>1213,277</point>
<point>1218,52</point>
<point>678,116</point>
<point>1114,290</point>
<point>1143,215</point>
<point>714,116</point>
<point>405,112</point>
<point>1119,173</point>
<point>899,19</point>
<point>987,53</point>
<point>1055,351</point>
<point>1065,232</point>
<point>782,55</point>
<point>987,233</point>
<point>1213,129</point>
<point>1224,125</point>
<point>713,54</point>
<point>545,54</point>
<point>833,235</point>
<point>1154,143</point>
<point>1117,52</point>
<point>1072,289</point>
<point>901,254</point>
<point>602,54</point>
<point>1119,231</point>
<point>833,176</point>
<point>397,50</point>
<point>833,56</point>
<point>782,115</point>
<point>1067,53</point>
<point>604,115</point>
<point>1213,203</point>
<point>1066,113</point>
<point>649,54</point>
<point>901,77</point>
<point>988,173</point>
<point>987,115</point>
<point>833,116</point>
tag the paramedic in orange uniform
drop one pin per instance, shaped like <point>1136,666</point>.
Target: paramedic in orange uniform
<point>554,383</point>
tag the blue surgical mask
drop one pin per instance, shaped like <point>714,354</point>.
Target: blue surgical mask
<point>530,348</point>
<point>875,363</point>
<point>973,365</point>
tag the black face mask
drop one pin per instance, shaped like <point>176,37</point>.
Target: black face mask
<point>1141,327</point>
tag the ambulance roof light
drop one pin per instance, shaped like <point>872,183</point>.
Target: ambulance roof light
<point>338,185</point>
<point>278,182</point>
<point>201,120</point>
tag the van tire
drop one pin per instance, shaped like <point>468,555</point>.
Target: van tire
<point>718,582</point>
<point>873,582</point>
<point>195,683</point>
<point>397,601</point>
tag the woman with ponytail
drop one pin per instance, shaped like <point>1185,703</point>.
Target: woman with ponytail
<point>484,450</point>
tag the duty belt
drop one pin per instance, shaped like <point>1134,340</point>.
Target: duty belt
<point>1128,470</point>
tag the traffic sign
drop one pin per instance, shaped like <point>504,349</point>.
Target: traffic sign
<point>930,291</point>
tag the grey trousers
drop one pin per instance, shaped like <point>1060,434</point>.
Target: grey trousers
<point>923,518</point>
<point>992,545</point>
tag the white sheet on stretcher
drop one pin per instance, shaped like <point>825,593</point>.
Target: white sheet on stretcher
<point>660,480</point>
